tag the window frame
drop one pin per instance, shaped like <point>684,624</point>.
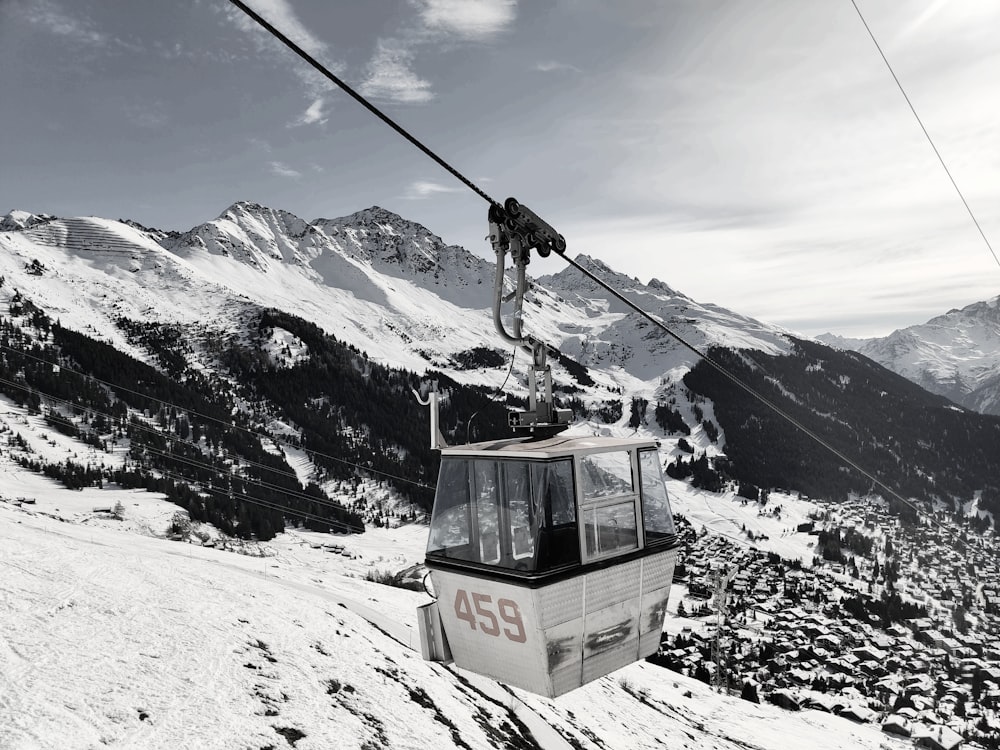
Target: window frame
<point>585,507</point>
<point>655,457</point>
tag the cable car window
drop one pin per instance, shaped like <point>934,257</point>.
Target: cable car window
<point>606,474</point>
<point>451,521</point>
<point>658,521</point>
<point>554,483</point>
<point>555,515</point>
<point>520,511</point>
<point>519,515</point>
<point>487,495</point>
<point>611,528</point>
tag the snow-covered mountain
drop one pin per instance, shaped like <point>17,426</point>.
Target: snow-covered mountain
<point>139,366</point>
<point>373,279</point>
<point>403,298</point>
<point>956,355</point>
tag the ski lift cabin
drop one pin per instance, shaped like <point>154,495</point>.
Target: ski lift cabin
<point>551,556</point>
<point>551,559</point>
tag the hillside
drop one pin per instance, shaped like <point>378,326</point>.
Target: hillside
<point>312,335</point>
<point>288,646</point>
<point>888,425</point>
<point>225,417</point>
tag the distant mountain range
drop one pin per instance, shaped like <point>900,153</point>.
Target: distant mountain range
<point>314,332</point>
<point>956,355</point>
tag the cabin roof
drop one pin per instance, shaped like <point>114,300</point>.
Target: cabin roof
<point>558,446</point>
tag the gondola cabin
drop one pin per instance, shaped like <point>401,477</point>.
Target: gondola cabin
<point>551,559</point>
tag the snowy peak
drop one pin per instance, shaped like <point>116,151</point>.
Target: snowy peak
<point>254,235</point>
<point>17,220</point>
<point>956,355</point>
<point>383,238</point>
<point>374,239</point>
<point>400,248</point>
<point>658,286</point>
<point>569,281</point>
<point>631,342</point>
<point>977,315</point>
<point>388,241</point>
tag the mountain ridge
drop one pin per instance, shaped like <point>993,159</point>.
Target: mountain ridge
<point>956,354</point>
<point>399,296</point>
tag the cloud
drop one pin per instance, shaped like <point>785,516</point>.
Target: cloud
<point>54,19</point>
<point>281,15</point>
<point>390,77</point>
<point>469,19</point>
<point>314,115</point>
<point>281,169</point>
<point>259,144</point>
<point>551,66</point>
<point>422,189</point>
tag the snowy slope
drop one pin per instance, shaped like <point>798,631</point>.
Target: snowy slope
<point>87,272</point>
<point>956,355</point>
<point>112,638</point>
<point>621,338</point>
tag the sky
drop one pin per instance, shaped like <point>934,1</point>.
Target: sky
<point>757,155</point>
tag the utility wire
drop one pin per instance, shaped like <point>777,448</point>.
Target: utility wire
<point>326,73</point>
<point>262,503</point>
<point>261,435</point>
<point>926,134</point>
<point>202,464</point>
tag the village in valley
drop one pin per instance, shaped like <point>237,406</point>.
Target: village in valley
<point>892,622</point>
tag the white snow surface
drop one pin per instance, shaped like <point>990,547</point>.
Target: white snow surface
<point>110,637</point>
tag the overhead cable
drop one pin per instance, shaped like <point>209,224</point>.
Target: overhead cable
<point>926,134</point>
<point>326,73</point>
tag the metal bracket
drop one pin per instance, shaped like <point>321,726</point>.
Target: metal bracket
<point>437,439</point>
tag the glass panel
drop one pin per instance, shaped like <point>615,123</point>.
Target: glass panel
<point>484,487</point>
<point>611,528</point>
<point>606,474</point>
<point>520,513</point>
<point>451,520</point>
<point>555,514</point>
<point>658,521</point>
<point>557,486</point>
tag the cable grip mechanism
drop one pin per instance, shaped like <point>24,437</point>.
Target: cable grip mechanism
<point>518,230</point>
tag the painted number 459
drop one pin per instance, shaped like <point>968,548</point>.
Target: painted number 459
<point>485,618</point>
